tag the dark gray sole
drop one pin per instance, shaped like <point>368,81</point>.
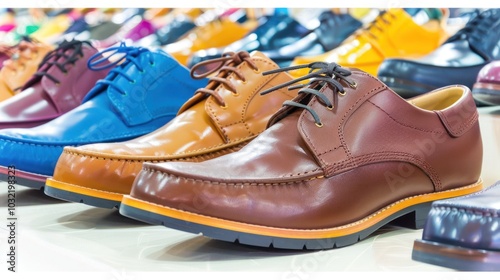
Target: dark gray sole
<point>81,198</point>
<point>413,217</point>
<point>455,257</point>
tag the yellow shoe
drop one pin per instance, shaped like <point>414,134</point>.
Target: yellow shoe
<point>215,34</point>
<point>51,29</point>
<point>17,70</point>
<point>393,33</point>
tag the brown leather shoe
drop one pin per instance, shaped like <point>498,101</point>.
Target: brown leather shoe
<point>345,157</point>
<point>23,63</point>
<point>219,119</point>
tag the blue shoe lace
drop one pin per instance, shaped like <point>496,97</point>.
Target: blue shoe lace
<point>130,55</point>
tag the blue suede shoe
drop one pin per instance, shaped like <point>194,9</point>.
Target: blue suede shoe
<point>139,95</point>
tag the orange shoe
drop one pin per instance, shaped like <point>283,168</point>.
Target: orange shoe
<point>394,33</point>
<point>215,34</point>
<point>17,70</point>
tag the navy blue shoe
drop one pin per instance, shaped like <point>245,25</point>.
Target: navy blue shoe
<point>456,61</point>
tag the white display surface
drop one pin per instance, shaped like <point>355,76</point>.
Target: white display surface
<point>56,236</point>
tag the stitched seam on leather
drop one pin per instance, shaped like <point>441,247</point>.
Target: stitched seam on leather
<point>384,209</point>
<point>403,124</point>
<point>341,124</point>
<point>304,173</point>
<point>243,111</point>
<point>463,126</point>
<point>331,150</point>
<point>371,158</point>
<point>476,211</point>
<point>223,151</point>
<point>146,169</point>
<point>34,144</point>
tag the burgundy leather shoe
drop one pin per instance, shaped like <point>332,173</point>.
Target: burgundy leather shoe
<point>345,157</point>
<point>463,233</point>
<point>59,85</point>
<point>487,87</point>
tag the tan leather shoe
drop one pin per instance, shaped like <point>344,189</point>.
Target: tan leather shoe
<point>218,119</point>
<point>17,70</point>
<point>345,157</point>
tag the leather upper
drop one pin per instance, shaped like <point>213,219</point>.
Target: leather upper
<point>151,83</point>
<point>332,31</point>
<point>392,34</point>
<point>215,34</point>
<point>458,60</point>
<point>490,73</point>
<point>17,70</point>
<point>372,149</point>
<point>203,129</point>
<point>470,221</point>
<point>52,91</point>
<point>277,31</point>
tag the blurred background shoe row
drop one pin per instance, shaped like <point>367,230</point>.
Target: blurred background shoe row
<point>412,50</point>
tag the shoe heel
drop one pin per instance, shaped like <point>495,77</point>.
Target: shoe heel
<point>415,218</point>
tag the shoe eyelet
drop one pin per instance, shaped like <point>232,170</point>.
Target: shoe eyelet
<point>329,107</point>
<point>244,82</point>
<point>256,71</point>
<point>318,124</point>
<point>342,93</point>
<point>235,94</point>
<point>132,82</point>
<point>223,106</point>
<point>354,85</point>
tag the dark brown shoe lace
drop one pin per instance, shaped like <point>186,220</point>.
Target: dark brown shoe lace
<point>320,74</point>
<point>226,64</point>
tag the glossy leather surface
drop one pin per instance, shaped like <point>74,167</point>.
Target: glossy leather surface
<point>298,175</point>
<point>42,98</point>
<point>490,73</point>
<point>125,110</point>
<point>20,67</point>
<point>457,61</point>
<point>215,34</point>
<point>486,89</point>
<point>169,33</point>
<point>392,34</point>
<point>469,222</point>
<point>332,31</point>
<point>202,130</point>
<point>174,30</point>
<point>276,32</point>
<point>133,30</point>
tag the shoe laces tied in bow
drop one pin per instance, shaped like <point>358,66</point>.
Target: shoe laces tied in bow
<point>104,60</point>
<point>52,58</point>
<point>320,74</point>
<point>226,64</point>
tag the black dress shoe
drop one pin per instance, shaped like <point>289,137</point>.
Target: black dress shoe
<point>168,33</point>
<point>463,233</point>
<point>332,30</point>
<point>456,61</point>
<point>275,32</point>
